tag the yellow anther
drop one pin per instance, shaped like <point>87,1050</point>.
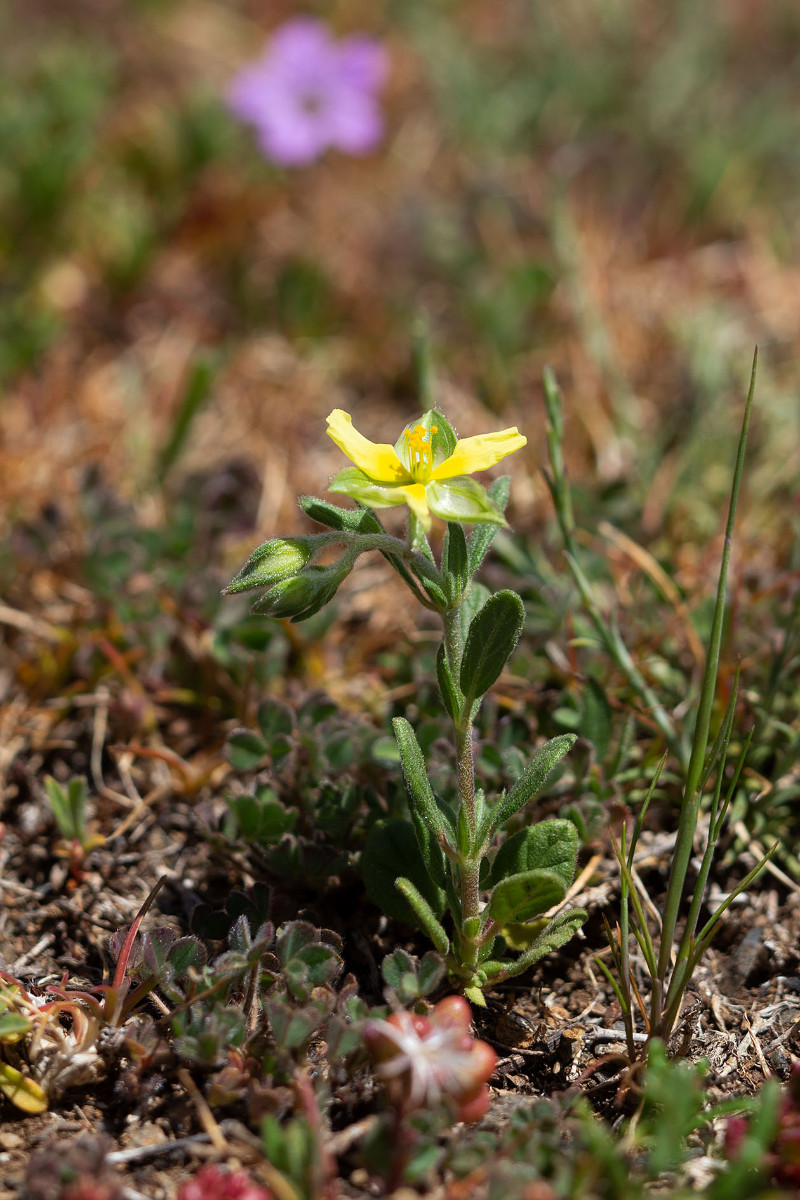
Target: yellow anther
<point>419,451</point>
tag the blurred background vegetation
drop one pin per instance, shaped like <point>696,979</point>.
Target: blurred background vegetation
<point>608,186</point>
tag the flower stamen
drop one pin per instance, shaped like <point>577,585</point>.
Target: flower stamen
<point>420,446</point>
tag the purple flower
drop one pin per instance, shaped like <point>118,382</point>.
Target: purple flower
<point>308,92</point>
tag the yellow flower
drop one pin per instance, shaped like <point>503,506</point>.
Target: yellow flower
<point>427,468</point>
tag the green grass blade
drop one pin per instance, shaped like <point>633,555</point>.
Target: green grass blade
<point>690,807</point>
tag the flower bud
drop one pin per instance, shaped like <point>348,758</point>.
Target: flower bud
<point>302,595</point>
<point>271,562</point>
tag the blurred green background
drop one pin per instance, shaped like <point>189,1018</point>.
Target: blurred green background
<point>609,186</point>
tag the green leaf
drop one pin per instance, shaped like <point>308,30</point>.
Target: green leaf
<point>245,750</point>
<point>391,850</point>
<point>396,966</point>
<point>247,811</point>
<point>560,930</point>
<point>13,1026</point>
<point>431,581</point>
<point>532,779</point>
<point>431,972</point>
<point>492,636</point>
<point>425,918</point>
<point>548,846</point>
<point>23,1092</point>
<point>483,535</point>
<point>475,995</point>
<point>462,499</point>
<point>450,696</point>
<point>521,897</point>
<point>409,978</point>
<point>420,793</point>
<point>473,602</point>
<point>68,806</point>
<point>595,723</point>
<point>274,718</point>
<point>293,937</point>
<point>196,392</point>
<point>455,565</point>
<point>185,954</point>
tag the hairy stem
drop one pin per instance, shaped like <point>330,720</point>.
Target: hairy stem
<point>468,866</point>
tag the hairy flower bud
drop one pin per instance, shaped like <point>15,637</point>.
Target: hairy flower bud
<point>302,595</point>
<point>271,562</point>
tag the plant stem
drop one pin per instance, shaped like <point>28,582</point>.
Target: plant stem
<point>469,866</point>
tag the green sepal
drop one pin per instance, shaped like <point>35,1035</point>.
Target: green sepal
<point>424,913</point>
<point>462,499</point>
<point>392,845</point>
<point>356,484</point>
<point>451,697</point>
<point>455,563</point>
<point>526,895</point>
<point>355,520</point>
<point>273,561</point>
<point>548,846</point>
<point>560,930</point>
<point>420,793</point>
<point>492,636</point>
<point>531,781</point>
<point>483,535</point>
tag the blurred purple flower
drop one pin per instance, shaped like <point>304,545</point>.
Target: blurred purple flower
<point>309,92</point>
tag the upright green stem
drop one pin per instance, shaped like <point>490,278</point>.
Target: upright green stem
<point>469,867</point>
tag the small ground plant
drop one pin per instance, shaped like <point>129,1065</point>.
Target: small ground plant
<point>445,859</point>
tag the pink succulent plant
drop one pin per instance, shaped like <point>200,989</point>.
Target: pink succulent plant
<point>425,1060</point>
<point>216,1183</point>
<point>782,1160</point>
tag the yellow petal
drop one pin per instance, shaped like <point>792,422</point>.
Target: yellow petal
<point>378,460</point>
<point>477,453</point>
<point>414,496</point>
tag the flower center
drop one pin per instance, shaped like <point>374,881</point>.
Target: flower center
<point>420,457</point>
